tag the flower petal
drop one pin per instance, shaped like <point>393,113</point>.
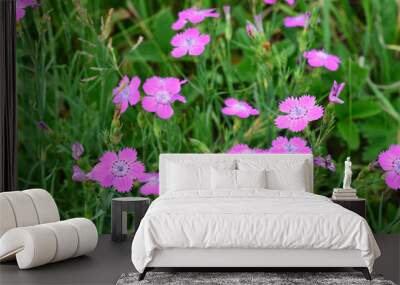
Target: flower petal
<point>387,157</point>
<point>279,141</point>
<point>164,111</point>
<point>137,170</point>
<point>283,121</point>
<point>392,179</point>
<point>228,111</point>
<point>128,154</point>
<point>172,85</point>
<point>149,103</point>
<point>315,113</point>
<point>286,105</point>
<point>332,63</point>
<point>179,24</point>
<point>150,189</point>
<point>230,102</point>
<point>178,97</point>
<point>123,184</point>
<point>179,52</point>
<point>134,98</point>
<point>196,50</point>
<point>297,125</point>
<point>152,85</point>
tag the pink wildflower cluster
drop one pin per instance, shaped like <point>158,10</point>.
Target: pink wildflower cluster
<point>299,112</point>
<point>241,109</point>
<point>389,161</point>
<point>127,93</point>
<point>293,145</point>
<point>254,30</point>
<point>325,162</point>
<point>191,41</point>
<point>21,5</point>
<point>301,20</point>
<point>279,145</point>
<point>335,92</point>
<point>289,2</point>
<point>194,16</point>
<point>161,93</point>
<point>119,171</point>
<point>244,148</point>
<point>319,58</point>
<point>151,184</point>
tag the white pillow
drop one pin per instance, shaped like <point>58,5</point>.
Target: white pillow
<point>182,177</point>
<point>251,178</point>
<point>223,179</point>
<point>282,174</point>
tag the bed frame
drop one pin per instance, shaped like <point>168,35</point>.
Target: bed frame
<point>246,259</point>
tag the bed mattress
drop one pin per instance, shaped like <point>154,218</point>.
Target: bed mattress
<point>250,219</point>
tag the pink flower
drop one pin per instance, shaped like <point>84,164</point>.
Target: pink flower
<point>300,111</point>
<point>335,92</point>
<point>389,160</point>
<point>251,29</point>
<point>78,174</point>
<point>326,162</point>
<point>294,145</point>
<point>227,11</point>
<point>194,16</point>
<point>298,21</point>
<point>161,93</point>
<point>77,150</point>
<point>189,42</point>
<point>127,93</point>
<point>151,186</point>
<point>244,148</point>
<point>20,7</point>
<point>289,2</point>
<point>118,170</point>
<point>238,108</point>
<point>318,58</point>
<point>257,29</point>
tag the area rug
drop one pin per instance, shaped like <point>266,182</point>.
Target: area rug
<point>244,278</point>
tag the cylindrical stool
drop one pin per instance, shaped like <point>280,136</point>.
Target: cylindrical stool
<point>119,209</point>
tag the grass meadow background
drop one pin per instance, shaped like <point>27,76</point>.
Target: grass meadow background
<point>71,54</point>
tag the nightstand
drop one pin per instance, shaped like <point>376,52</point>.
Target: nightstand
<point>357,205</point>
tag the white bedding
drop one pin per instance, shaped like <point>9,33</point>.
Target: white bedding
<point>250,219</point>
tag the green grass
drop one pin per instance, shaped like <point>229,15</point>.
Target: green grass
<point>71,54</point>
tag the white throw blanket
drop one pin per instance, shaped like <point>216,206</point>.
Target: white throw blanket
<point>250,219</point>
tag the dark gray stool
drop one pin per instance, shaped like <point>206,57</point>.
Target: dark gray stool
<point>119,209</point>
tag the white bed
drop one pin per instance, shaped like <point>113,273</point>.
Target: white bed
<point>280,225</point>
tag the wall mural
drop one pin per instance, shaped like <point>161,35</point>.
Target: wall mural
<point>104,88</point>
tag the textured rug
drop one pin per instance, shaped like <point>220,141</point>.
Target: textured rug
<point>244,278</point>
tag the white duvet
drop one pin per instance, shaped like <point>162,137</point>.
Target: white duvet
<point>250,219</point>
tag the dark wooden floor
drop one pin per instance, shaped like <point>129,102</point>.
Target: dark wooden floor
<point>103,266</point>
<point>110,260</point>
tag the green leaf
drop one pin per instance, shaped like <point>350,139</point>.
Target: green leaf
<point>364,109</point>
<point>199,146</point>
<point>389,10</point>
<point>359,110</point>
<point>350,133</point>
<point>147,51</point>
<point>356,76</point>
<point>385,102</point>
<point>380,133</point>
<point>162,29</point>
